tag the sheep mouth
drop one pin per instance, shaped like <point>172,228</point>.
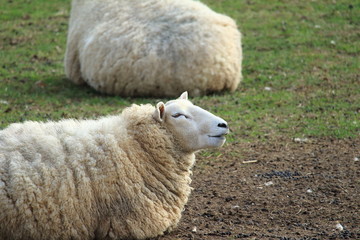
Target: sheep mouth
<point>218,136</point>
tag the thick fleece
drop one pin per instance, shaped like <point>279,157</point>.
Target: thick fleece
<point>118,177</point>
<point>152,47</point>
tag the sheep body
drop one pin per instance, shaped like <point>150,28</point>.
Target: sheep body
<point>152,47</point>
<point>117,177</point>
<point>90,179</point>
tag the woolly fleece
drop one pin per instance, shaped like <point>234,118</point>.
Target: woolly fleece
<point>115,177</point>
<point>152,47</point>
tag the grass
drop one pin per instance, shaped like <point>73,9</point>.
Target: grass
<point>301,69</point>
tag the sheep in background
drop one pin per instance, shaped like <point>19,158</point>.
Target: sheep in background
<point>117,177</point>
<point>152,47</point>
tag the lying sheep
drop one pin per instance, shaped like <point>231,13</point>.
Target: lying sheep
<point>118,177</point>
<point>152,47</point>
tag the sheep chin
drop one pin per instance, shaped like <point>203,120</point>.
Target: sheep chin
<point>216,141</point>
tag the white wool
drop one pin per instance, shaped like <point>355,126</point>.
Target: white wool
<point>117,177</point>
<point>152,47</point>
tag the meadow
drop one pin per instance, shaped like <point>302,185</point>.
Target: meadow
<point>301,69</point>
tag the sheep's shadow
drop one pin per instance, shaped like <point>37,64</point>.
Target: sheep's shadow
<point>60,87</point>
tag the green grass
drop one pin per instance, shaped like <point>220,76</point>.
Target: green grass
<point>306,52</point>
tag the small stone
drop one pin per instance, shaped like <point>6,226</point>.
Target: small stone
<point>301,140</point>
<point>269,183</point>
<point>339,226</point>
<point>267,88</point>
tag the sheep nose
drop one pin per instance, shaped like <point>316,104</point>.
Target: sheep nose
<point>223,125</point>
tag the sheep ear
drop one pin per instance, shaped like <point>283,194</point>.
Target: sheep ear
<point>184,95</point>
<point>159,113</point>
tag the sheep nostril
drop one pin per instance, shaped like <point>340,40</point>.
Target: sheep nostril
<point>223,125</point>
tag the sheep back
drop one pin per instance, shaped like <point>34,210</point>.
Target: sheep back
<point>116,177</point>
<point>152,48</point>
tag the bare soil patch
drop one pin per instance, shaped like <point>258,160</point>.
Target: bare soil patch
<point>281,189</point>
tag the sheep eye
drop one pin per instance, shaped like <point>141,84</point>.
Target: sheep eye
<point>176,115</point>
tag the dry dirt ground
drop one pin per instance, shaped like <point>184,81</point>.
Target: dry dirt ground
<point>283,189</point>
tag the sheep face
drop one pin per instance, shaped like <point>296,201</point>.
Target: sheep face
<point>194,127</point>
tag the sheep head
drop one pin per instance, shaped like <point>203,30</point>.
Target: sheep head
<point>194,127</point>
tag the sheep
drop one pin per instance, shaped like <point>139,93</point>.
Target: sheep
<point>125,176</point>
<point>152,48</point>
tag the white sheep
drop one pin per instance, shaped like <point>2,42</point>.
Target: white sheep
<point>152,47</point>
<point>117,177</point>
